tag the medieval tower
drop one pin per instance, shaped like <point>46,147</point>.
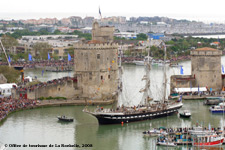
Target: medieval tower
<point>206,67</point>
<point>205,71</point>
<point>96,66</point>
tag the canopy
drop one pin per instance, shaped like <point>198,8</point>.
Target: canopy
<point>7,85</point>
<point>29,78</point>
<point>193,89</point>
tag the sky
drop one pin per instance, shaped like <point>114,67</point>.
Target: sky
<point>199,10</point>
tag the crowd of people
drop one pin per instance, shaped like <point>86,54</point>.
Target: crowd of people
<point>8,105</point>
<point>44,84</point>
<point>173,59</point>
<point>39,64</point>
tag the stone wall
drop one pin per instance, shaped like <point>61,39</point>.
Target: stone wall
<point>206,68</point>
<point>96,68</point>
<point>181,81</point>
<point>66,89</point>
<point>103,34</point>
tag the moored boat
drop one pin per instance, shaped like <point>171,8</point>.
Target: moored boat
<point>211,102</point>
<point>168,144</point>
<point>139,63</point>
<point>218,108</point>
<point>155,132</point>
<point>208,141</point>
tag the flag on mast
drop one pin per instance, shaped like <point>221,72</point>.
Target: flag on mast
<point>222,69</point>
<point>69,57</point>
<point>9,59</point>
<point>181,70</point>
<point>49,57</point>
<point>30,57</point>
<point>100,12</point>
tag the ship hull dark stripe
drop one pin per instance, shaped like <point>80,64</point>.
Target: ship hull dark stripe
<point>118,119</point>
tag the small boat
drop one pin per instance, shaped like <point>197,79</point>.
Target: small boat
<point>218,108</point>
<point>155,132</point>
<point>206,141</point>
<point>139,63</point>
<point>185,114</point>
<point>211,102</point>
<point>64,118</point>
<point>199,130</point>
<point>169,144</point>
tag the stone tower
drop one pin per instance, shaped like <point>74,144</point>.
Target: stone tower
<point>96,65</point>
<point>103,34</point>
<point>206,68</point>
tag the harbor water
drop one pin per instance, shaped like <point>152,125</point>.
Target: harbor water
<point>41,126</point>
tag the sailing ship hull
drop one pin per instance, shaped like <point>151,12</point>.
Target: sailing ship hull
<point>126,118</point>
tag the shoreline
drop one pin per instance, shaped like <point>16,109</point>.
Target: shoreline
<point>56,103</point>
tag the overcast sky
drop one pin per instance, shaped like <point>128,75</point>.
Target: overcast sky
<point>200,10</point>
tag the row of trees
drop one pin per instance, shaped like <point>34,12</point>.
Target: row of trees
<point>19,33</point>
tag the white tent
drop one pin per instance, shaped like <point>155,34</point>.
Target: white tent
<point>29,78</point>
<point>5,89</point>
<point>193,89</point>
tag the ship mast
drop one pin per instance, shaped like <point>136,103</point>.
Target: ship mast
<point>120,85</point>
<point>4,52</point>
<point>165,78</point>
<point>146,77</point>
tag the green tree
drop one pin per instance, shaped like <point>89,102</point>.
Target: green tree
<point>142,36</point>
<point>9,42</point>
<point>12,75</point>
<point>41,50</point>
<point>57,32</point>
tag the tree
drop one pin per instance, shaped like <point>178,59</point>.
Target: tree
<point>41,50</point>
<point>70,51</point>
<point>142,36</point>
<point>57,32</point>
<point>12,75</point>
<point>8,42</point>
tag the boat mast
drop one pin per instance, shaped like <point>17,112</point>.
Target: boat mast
<point>147,78</point>
<point>5,53</point>
<point>120,85</point>
<point>165,78</point>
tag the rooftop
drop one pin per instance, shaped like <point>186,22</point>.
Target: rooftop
<point>94,42</point>
<point>205,49</point>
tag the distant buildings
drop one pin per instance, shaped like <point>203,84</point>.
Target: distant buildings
<point>60,43</point>
<point>126,35</point>
<point>155,36</point>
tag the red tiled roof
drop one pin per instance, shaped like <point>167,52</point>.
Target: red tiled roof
<point>94,42</point>
<point>206,49</point>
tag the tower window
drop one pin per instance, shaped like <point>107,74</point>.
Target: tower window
<point>98,56</point>
<point>90,76</point>
<point>101,77</point>
<point>108,76</point>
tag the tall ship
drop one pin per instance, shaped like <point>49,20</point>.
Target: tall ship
<point>146,110</point>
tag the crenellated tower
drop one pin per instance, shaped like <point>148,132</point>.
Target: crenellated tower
<point>96,65</point>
